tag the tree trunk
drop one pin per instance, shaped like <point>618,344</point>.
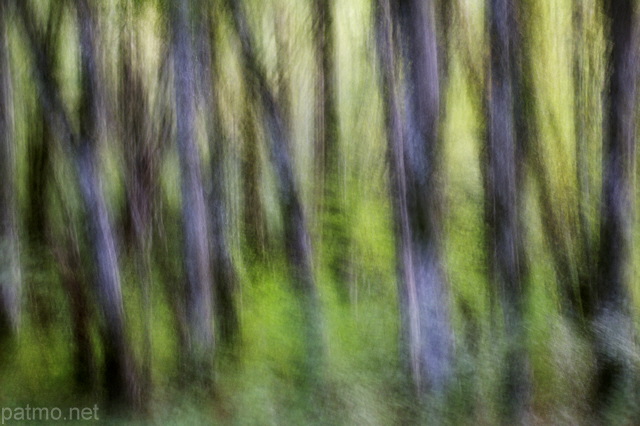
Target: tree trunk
<point>10,283</point>
<point>227,318</point>
<point>121,381</point>
<point>413,148</point>
<point>120,377</point>
<point>194,213</point>
<point>253,211</point>
<point>506,135</point>
<point>67,256</point>
<point>141,176</point>
<point>297,242</point>
<point>612,323</point>
<point>39,152</point>
<point>333,220</point>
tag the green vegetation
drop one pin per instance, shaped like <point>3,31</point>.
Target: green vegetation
<point>203,224</point>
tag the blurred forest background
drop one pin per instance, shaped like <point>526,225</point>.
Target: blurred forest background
<point>320,212</point>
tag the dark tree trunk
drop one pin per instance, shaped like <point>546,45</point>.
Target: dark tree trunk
<point>386,35</point>
<point>333,219</point>
<point>611,317</point>
<point>39,153</point>
<point>10,286</point>
<point>581,293</point>
<point>67,256</point>
<point>142,161</point>
<point>227,318</point>
<point>282,87</point>
<point>297,242</point>
<point>253,211</point>
<point>413,148</point>
<point>120,377</point>
<point>570,238</point>
<point>194,213</point>
<point>506,133</point>
<point>38,177</point>
<point>326,119</point>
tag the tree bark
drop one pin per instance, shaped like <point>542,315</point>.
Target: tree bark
<point>121,381</point>
<point>506,138</point>
<point>333,220</point>
<point>413,148</point>
<point>225,278</point>
<point>194,213</point>
<point>40,140</point>
<point>120,376</point>
<point>10,282</point>
<point>68,258</point>
<point>612,324</point>
<point>142,162</point>
<point>297,242</point>
<point>256,236</point>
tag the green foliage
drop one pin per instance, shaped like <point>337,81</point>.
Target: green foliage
<point>264,380</point>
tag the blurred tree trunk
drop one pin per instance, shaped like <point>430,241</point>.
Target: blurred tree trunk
<point>68,258</point>
<point>387,44</point>
<point>121,381</point>
<point>282,87</point>
<point>326,97</point>
<point>39,153</point>
<point>582,74</point>
<point>120,374</point>
<point>612,324</point>
<point>194,213</point>
<point>413,148</point>
<point>142,162</point>
<point>333,220</point>
<point>64,243</point>
<point>506,137</point>
<point>10,283</point>
<point>297,242</point>
<point>569,237</point>
<point>227,319</point>
<point>254,216</point>
<point>39,163</point>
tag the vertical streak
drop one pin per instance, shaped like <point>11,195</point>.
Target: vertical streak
<point>612,323</point>
<point>10,286</point>
<point>506,145</point>
<point>196,249</point>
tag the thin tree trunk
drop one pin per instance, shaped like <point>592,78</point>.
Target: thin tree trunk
<point>39,154</point>
<point>387,52</point>
<point>121,381</point>
<point>332,215</point>
<point>194,213</point>
<point>584,137</point>
<point>567,236</point>
<point>254,221</point>
<point>68,258</point>
<point>612,322</point>
<point>10,283</point>
<point>227,318</point>
<point>297,241</point>
<point>38,179</point>
<point>326,119</point>
<point>120,378</point>
<point>506,135</point>
<point>141,174</point>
